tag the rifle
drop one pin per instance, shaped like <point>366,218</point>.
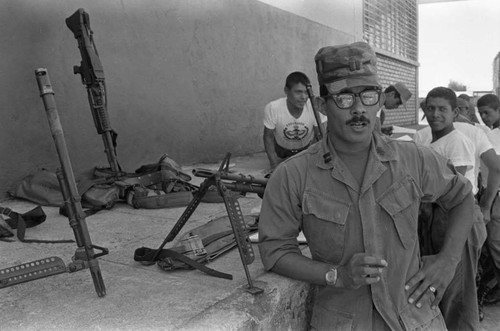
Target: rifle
<point>318,134</point>
<point>242,184</point>
<point>84,256</point>
<point>92,74</point>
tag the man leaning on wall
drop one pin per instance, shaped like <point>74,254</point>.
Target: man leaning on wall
<point>355,195</point>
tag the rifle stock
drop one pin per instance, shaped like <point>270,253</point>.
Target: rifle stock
<point>92,74</point>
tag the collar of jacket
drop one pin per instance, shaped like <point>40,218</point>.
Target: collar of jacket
<point>324,154</point>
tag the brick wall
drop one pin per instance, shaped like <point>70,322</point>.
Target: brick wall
<point>391,71</point>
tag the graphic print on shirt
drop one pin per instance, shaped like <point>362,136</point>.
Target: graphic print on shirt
<point>295,131</point>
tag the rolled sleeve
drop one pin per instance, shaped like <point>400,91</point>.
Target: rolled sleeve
<point>280,218</point>
<point>441,183</point>
<point>269,117</point>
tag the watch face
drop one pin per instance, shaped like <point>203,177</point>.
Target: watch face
<point>331,277</point>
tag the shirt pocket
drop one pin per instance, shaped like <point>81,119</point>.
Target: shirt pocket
<point>325,220</point>
<point>412,318</point>
<point>401,202</point>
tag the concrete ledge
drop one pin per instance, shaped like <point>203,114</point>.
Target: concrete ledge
<point>282,306</point>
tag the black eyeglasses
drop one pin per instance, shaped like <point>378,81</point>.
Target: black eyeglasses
<point>345,100</point>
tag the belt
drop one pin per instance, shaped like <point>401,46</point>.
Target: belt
<point>285,152</point>
<point>296,150</point>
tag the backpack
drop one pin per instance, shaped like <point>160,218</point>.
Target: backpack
<point>157,185</point>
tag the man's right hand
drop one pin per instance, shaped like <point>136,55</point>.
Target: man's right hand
<point>362,269</point>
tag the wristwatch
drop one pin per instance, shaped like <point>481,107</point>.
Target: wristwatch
<point>331,276</point>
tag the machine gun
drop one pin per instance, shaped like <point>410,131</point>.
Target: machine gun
<point>318,134</point>
<point>92,75</point>
<point>239,183</point>
<point>84,256</point>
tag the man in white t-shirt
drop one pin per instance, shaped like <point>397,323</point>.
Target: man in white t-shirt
<point>486,161</point>
<point>289,122</point>
<point>459,305</point>
<point>458,149</point>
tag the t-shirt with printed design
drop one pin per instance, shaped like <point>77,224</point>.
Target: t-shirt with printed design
<point>290,132</point>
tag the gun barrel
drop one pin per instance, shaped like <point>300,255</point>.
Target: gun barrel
<point>310,94</point>
<point>68,183</point>
<point>240,178</point>
<point>245,188</point>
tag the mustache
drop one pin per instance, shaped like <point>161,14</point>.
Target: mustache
<point>355,119</point>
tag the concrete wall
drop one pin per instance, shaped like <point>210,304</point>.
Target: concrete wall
<point>185,77</point>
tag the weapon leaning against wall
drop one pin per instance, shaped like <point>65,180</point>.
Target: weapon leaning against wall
<point>160,185</point>
<point>85,256</point>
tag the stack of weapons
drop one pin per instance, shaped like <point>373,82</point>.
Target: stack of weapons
<point>92,75</point>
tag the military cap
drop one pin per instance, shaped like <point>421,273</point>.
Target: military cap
<point>403,91</point>
<point>349,65</point>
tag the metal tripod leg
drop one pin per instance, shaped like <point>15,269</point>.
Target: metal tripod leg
<point>240,234</point>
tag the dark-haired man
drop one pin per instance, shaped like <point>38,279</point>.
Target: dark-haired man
<point>459,304</point>
<point>467,108</point>
<point>289,122</point>
<point>355,195</point>
<point>395,95</point>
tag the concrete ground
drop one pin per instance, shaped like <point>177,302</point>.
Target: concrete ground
<point>142,297</point>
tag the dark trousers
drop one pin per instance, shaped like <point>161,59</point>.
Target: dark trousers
<point>459,303</point>
<point>493,241</point>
